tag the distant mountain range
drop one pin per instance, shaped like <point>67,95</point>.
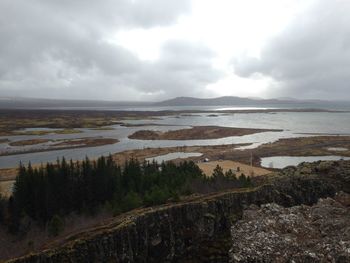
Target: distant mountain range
<point>220,101</point>
<point>239,101</point>
<point>229,101</point>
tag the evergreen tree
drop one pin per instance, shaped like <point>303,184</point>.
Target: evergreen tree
<point>131,200</point>
<point>2,209</point>
<point>64,187</point>
<point>56,226</point>
<point>218,172</point>
<point>230,175</point>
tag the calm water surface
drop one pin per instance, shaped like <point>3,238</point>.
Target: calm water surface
<point>294,124</point>
<point>284,161</point>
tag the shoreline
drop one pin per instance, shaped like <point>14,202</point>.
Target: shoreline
<point>12,120</point>
<point>197,133</point>
<point>75,144</point>
<point>298,147</point>
<point>301,146</point>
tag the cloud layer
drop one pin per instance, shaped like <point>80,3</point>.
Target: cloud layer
<point>310,58</point>
<point>61,49</point>
<point>68,49</point>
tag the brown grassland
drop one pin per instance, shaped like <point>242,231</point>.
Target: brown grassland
<point>195,133</point>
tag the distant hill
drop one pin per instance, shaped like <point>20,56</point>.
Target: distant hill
<point>228,101</point>
<point>224,101</point>
<point>37,103</point>
<point>231,101</point>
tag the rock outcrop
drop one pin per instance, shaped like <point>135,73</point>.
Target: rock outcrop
<point>196,230</point>
<point>272,233</point>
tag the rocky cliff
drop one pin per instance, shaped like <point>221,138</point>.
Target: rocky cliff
<point>196,230</point>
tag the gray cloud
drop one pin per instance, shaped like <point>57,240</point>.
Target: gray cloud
<point>183,68</point>
<point>59,49</point>
<point>310,58</point>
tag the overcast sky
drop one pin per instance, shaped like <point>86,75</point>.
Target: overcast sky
<point>159,49</point>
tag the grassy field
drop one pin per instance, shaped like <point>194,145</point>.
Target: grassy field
<point>44,132</point>
<point>28,142</point>
<point>306,146</point>
<point>12,121</point>
<point>6,188</point>
<point>237,167</point>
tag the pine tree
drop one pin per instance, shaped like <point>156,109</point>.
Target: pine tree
<point>56,226</point>
<point>218,172</point>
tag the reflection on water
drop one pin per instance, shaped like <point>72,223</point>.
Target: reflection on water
<point>337,149</point>
<point>284,161</point>
<point>292,123</point>
<point>243,108</point>
<point>172,156</point>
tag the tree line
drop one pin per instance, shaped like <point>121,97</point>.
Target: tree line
<point>57,189</point>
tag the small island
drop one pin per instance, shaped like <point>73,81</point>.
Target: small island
<point>32,145</point>
<point>197,133</point>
